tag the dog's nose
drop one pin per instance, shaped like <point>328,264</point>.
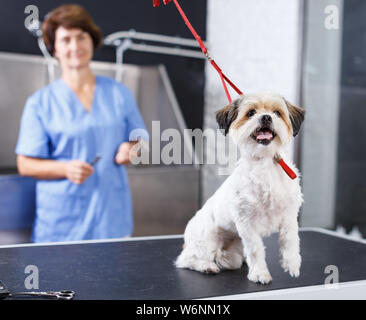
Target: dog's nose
<point>266,119</point>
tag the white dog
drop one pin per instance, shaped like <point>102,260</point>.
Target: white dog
<point>257,199</point>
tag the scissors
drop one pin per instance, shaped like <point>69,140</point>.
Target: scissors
<point>59,295</point>
<point>94,162</point>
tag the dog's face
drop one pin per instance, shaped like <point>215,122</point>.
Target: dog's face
<point>261,121</point>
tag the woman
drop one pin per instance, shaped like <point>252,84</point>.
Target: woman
<point>65,126</point>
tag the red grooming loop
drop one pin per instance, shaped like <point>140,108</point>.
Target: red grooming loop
<point>156,3</point>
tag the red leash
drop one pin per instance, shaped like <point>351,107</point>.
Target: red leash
<point>156,3</point>
<point>203,48</point>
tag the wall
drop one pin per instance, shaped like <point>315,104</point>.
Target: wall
<point>257,44</point>
<point>350,207</point>
<point>321,89</point>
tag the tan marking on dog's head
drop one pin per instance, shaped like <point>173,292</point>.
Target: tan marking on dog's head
<point>276,106</point>
<point>245,114</point>
<point>264,104</point>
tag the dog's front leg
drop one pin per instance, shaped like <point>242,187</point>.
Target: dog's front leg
<point>290,245</point>
<point>254,253</point>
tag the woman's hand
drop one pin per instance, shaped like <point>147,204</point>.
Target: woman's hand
<point>125,153</point>
<point>78,171</point>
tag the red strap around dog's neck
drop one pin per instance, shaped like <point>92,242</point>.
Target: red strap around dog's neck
<point>156,3</point>
<point>286,168</point>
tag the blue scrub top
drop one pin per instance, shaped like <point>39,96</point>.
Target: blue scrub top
<point>56,126</point>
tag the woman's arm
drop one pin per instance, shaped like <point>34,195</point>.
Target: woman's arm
<point>76,171</point>
<point>41,168</point>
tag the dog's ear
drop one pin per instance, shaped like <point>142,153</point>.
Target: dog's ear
<point>227,115</point>
<point>297,116</point>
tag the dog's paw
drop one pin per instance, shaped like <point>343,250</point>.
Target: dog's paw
<point>264,277</point>
<point>209,268</point>
<point>291,264</point>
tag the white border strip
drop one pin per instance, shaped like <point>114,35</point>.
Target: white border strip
<point>333,233</point>
<point>176,236</point>
<point>344,290</point>
<point>41,244</point>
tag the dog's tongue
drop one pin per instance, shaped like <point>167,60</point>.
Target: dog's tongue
<point>264,135</point>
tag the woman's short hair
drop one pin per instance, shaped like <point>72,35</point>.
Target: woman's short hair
<point>69,16</point>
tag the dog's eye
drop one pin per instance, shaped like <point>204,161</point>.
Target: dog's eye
<point>251,113</point>
<point>276,112</point>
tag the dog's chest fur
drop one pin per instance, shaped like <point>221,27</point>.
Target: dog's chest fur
<point>260,194</point>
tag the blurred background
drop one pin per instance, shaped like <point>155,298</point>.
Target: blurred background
<point>313,52</point>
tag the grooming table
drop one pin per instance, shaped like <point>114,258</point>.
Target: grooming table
<point>142,268</point>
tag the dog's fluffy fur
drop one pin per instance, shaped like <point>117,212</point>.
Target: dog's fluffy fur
<point>257,199</point>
